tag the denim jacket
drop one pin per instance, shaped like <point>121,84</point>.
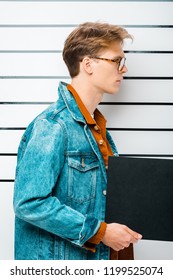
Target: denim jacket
<point>59,194</point>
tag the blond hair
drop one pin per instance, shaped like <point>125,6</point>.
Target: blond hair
<point>87,40</point>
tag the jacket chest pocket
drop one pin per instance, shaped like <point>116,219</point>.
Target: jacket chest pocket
<point>82,175</point>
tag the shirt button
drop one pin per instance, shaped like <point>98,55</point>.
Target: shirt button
<point>96,127</point>
<point>101,142</point>
<point>104,192</point>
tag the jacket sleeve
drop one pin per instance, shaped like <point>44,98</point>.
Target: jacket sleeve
<point>37,172</point>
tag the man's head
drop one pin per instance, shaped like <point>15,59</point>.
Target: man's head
<point>88,39</point>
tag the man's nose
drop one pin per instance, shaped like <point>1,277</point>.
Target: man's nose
<point>125,69</point>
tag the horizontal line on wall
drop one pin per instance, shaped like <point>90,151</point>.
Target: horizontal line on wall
<point>67,77</point>
<point>60,51</point>
<point>102,103</point>
<point>6,180</point>
<point>142,155</point>
<point>37,25</point>
<point>8,154</point>
<point>30,51</point>
<point>85,1</point>
<point>34,77</point>
<point>12,128</point>
<point>74,25</point>
<point>153,52</point>
<point>138,129</point>
<point>147,78</point>
<point>137,103</point>
<point>25,103</point>
<point>108,128</point>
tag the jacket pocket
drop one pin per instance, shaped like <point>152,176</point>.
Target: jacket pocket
<point>82,175</point>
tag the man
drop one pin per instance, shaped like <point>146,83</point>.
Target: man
<point>60,186</point>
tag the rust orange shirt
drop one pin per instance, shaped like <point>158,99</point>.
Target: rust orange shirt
<point>97,125</point>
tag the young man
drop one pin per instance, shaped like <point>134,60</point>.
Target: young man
<point>60,186</point>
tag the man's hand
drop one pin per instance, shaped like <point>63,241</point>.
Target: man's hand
<point>119,236</point>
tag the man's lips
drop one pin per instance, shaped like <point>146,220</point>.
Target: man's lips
<point>119,81</point>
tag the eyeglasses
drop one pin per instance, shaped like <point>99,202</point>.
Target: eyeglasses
<point>120,61</point>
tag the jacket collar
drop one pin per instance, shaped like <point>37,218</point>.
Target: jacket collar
<point>72,105</point>
<point>70,102</point>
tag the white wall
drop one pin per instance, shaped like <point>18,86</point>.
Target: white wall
<point>140,117</point>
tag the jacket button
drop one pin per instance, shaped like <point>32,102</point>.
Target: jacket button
<point>101,142</point>
<point>104,192</point>
<point>96,127</point>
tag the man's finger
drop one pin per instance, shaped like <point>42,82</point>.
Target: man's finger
<point>136,235</point>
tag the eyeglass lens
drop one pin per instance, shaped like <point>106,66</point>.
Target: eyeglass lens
<point>121,63</point>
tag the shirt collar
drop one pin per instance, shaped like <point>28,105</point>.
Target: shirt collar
<point>89,119</point>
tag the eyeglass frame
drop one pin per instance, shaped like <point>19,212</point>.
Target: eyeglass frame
<point>119,61</point>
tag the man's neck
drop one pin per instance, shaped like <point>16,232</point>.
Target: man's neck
<point>89,96</point>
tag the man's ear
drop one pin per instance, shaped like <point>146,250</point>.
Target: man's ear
<point>87,64</point>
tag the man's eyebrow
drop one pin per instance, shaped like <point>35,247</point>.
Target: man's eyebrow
<point>117,57</point>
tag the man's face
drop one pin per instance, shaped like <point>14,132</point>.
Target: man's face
<point>107,76</point>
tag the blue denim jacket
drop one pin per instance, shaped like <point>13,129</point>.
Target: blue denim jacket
<point>59,194</point>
